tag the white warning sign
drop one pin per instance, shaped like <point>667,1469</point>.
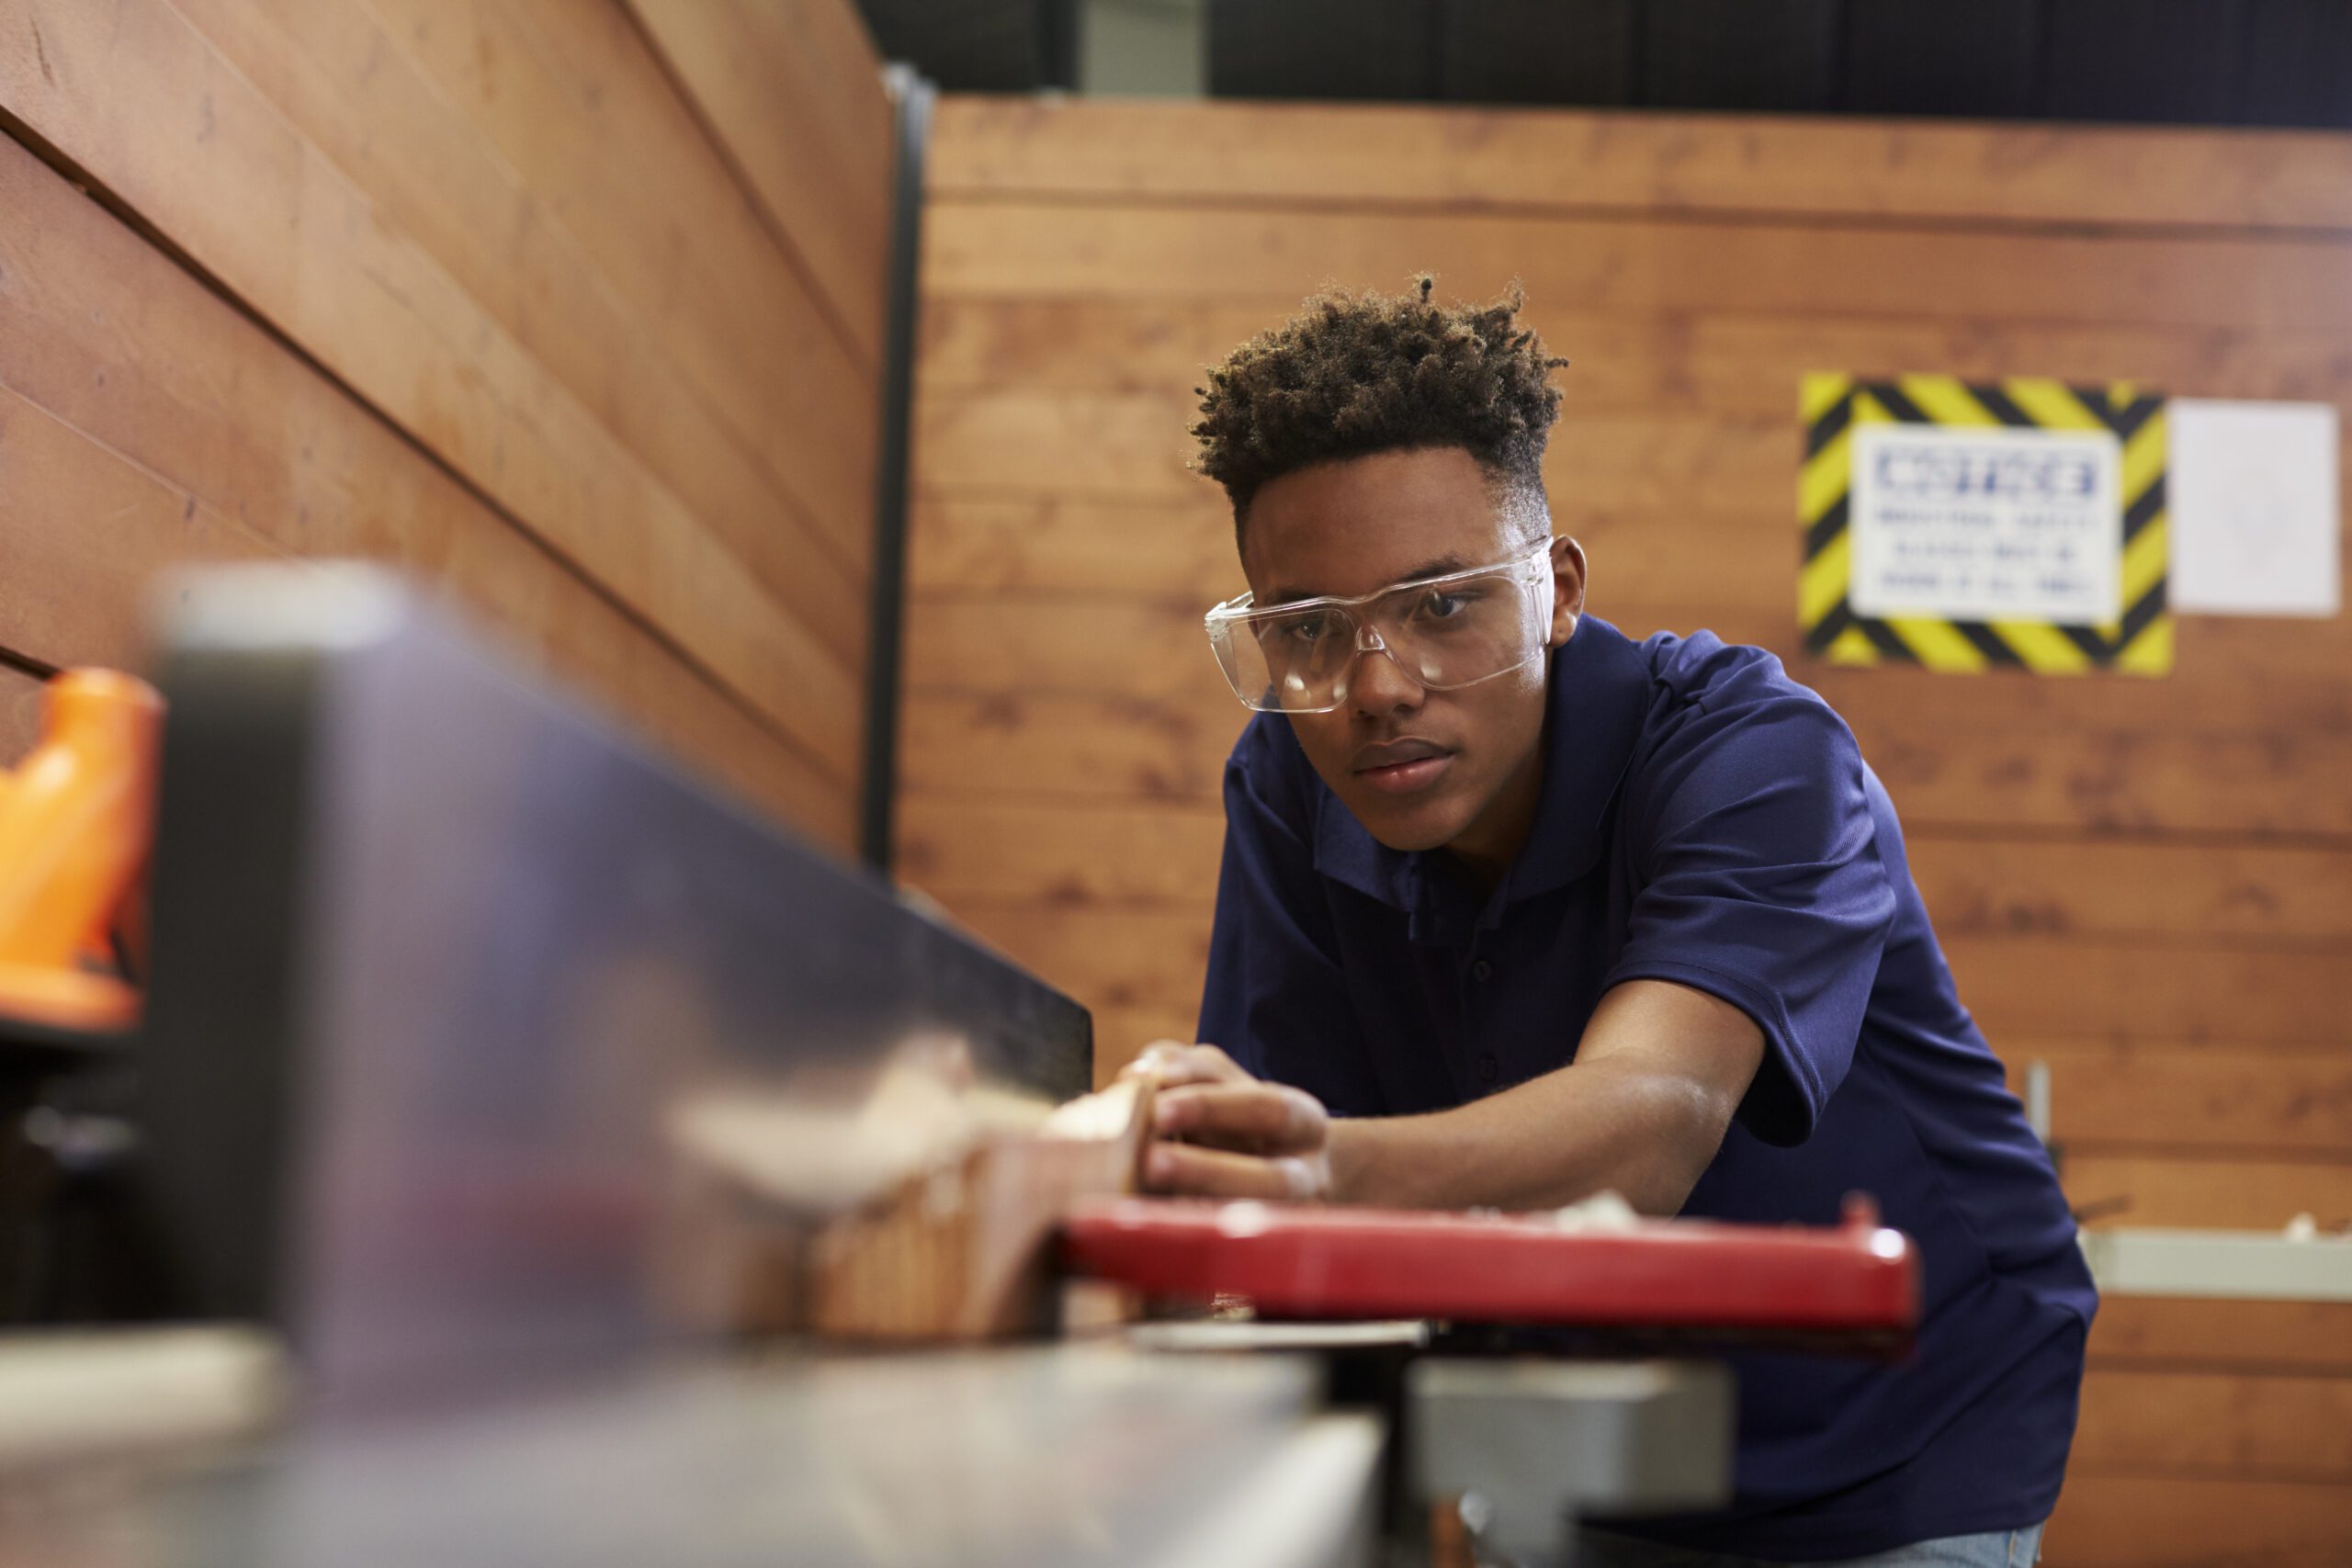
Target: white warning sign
<point>1973,524</point>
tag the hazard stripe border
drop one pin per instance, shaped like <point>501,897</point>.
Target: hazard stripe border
<point>1832,404</point>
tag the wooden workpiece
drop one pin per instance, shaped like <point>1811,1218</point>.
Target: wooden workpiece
<point>963,1252</point>
<point>924,1212</point>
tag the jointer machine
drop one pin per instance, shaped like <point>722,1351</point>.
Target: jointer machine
<point>525,1155</point>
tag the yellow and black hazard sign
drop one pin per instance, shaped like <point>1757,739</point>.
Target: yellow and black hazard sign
<point>2121,425</point>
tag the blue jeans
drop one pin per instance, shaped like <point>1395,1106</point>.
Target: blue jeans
<point>1996,1549</point>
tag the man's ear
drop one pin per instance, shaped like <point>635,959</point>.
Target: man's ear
<point>1567,588</point>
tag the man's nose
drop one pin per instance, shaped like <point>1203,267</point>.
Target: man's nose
<point>1377,684</point>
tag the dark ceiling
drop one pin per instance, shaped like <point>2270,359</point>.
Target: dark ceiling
<point>2168,62</point>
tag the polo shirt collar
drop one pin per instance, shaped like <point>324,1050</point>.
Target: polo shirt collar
<point>1596,697</point>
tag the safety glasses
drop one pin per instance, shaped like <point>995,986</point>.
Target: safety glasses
<point>1443,632</point>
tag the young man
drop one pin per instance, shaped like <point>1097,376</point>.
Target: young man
<point>1515,910</point>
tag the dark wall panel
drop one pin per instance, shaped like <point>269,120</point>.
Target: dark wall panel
<point>1932,56</point>
<point>2284,63</point>
<point>2175,62</point>
<point>1538,51</point>
<point>981,46</point>
<point>1322,49</point>
<point>1741,54</point>
<point>2298,63</point>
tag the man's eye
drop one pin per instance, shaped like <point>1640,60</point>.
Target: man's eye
<point>1439,606</point>
<point>1309,630</point>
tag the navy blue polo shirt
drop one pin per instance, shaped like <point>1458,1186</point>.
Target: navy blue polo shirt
<point>1703,819</point>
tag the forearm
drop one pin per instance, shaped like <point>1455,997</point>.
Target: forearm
<point>1612,1124</point>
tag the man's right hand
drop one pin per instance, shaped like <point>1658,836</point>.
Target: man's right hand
<point>1219,1133</point>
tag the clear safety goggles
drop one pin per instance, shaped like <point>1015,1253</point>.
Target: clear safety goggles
<point>1443,632</point>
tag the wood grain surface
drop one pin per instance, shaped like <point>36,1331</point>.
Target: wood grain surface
<point>307,162</point>
<point>2145,886</point>
<point>465,288</point>
<point>1415,158</point>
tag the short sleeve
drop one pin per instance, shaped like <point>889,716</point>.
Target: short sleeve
<point>1276,998</point>
<point>1762,886</point>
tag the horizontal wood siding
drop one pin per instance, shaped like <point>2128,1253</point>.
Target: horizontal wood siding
<point>2145,886</point>
<point>481,289</point>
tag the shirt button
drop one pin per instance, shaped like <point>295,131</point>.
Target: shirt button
<point>1482,970</point>
<point>1488,1068</point>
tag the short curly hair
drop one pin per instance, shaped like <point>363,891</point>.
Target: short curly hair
<point>1356,373</point>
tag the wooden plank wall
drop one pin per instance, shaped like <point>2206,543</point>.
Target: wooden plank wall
<point>563,305</point>
<point>2147,884</point>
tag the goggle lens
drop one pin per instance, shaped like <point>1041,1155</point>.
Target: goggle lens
<point>1443,633</point>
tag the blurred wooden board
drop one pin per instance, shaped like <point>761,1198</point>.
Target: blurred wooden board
<point>2153,1331</point>
<point>2037,772</point>
<point>980,848</point>
<point>1645,162</point>
<point>2258,1426</point>
<point>1011,248</point>
<point>2171,1521</point>
<point>792,91</point>
<point>2190,1188</point>
<point>123,458</point>
<point>2017,985</point>
<point>215,164</point>
<point>1700,358</point>
<point>966,1251</point>
<point>578,99</point>
<point>507,224</point>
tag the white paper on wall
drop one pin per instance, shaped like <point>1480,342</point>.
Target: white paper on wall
<point>2251,489</point>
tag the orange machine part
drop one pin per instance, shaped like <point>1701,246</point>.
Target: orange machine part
<point>78,819</point>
